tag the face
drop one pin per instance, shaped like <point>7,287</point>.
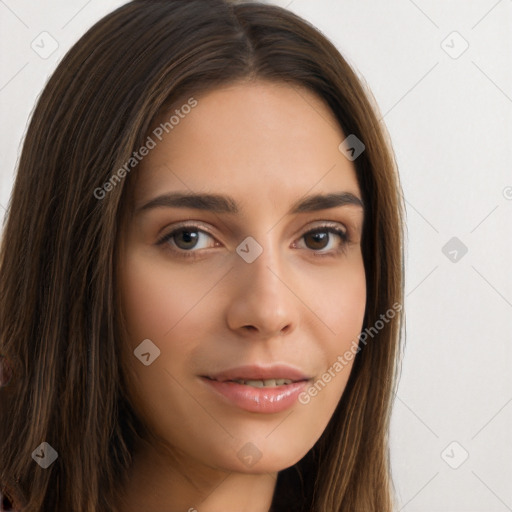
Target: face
<point>262,283</point>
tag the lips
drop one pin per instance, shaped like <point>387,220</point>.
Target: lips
<point>264,400</point>
<point>259,373</point>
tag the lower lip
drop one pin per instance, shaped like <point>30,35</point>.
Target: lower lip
<point>263,400</point>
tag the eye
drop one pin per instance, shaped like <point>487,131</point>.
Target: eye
<point>180,241</point>
<point>184,239</point>
<point>320,238</point>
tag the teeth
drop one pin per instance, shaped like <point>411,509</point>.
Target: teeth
<point>264,383</point>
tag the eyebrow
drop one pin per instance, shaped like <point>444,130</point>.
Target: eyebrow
<point>217,203</point>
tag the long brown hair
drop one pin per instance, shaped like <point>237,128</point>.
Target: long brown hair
<point>59,317</point>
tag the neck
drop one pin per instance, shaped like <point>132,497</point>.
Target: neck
<point>166,482</point>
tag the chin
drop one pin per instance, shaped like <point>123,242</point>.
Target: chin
<point>250,459</point>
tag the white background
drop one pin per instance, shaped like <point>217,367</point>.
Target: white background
<point>450,121</point>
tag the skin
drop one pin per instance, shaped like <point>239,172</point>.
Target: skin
<point>266,145</point>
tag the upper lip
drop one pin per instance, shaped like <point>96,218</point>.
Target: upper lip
<point>255,372</point>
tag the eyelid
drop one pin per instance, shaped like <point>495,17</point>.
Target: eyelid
<point>326,224</point>
<point>187,224</point>
<point>184,225</point>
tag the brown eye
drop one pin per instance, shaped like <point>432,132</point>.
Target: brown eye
<point>317,240</point>
<point>185,238</point>
<point>321,242</point>
<point>187,241</point>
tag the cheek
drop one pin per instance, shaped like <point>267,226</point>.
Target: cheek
<point>155,301</point>
<point>156,296</point>
<point>338,298</point>
<point>158,303</point>
<point>167,305</point>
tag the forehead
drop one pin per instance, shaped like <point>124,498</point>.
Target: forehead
<point>265,138</point>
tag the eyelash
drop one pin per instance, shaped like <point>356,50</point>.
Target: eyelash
<point>324,228</point>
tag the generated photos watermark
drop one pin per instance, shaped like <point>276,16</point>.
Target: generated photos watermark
<point>151,142</point>
<point>343,360</point>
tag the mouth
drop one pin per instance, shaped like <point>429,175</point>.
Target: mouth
<point>260,376</point>
<point>258,389</point>
<point>260,383</point>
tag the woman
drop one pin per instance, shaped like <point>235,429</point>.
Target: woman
<point>254,372</point>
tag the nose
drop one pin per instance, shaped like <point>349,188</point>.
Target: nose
<point>263,303</point>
